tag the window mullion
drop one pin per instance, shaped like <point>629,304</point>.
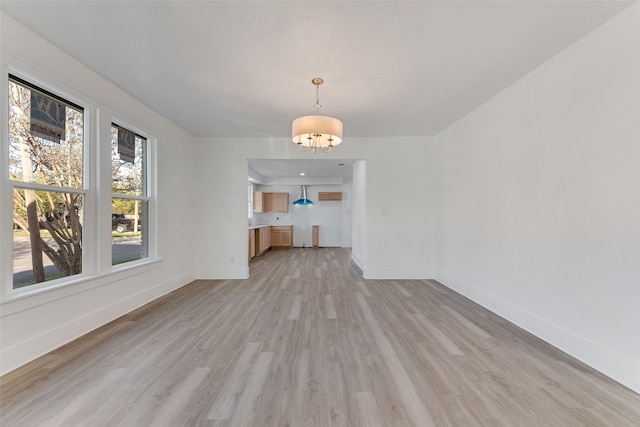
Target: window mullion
<point>44,187</point>
<point>130,197</point>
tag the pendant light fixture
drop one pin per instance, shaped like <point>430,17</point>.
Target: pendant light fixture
<point>303,200</point>
<point>313,132</point>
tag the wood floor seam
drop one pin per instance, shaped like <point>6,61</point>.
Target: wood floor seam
<point>307,341</point>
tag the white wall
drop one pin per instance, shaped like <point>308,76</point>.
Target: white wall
<point>347,209</point>
<point>33,325</point>
<point>399,210</point>
<point>539,203</point>
<point>400,207</point>
<point>359,205</point>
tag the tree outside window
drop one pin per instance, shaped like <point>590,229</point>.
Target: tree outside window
<point>46,165</point>
<point>130,201</point>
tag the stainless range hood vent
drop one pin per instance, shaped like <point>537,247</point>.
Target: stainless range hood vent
<point>303,197</point>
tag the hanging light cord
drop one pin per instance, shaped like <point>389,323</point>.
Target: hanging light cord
<point>317,104</point>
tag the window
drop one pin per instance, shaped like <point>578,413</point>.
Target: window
<point>130,201</point>
<point>46,171</point>
<point>58,206</point>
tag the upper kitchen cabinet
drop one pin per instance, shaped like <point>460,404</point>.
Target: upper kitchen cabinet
<point>258,201</point>
<point>324,196</point>
<point>270,202</point>
<point>275,202</point>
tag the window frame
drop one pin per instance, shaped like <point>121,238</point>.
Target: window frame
<point>63,93</point>
<point>147,196</point>
<point>97,269</point>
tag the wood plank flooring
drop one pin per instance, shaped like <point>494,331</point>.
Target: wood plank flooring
<point>307,342</point>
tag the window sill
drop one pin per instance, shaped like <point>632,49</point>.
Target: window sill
<point>24,299</point>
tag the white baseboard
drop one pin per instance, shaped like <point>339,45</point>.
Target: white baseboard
<point>400,274</point>
<point>357,261</point>
<point>614,365</point>
<point>26,351</point>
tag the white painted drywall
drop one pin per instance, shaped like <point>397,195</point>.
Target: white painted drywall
<point>398,214</point>
<point>539,201</point>
<point>34,325</point>
<point>359,205</point>
<point>400,205</point>
<point>347,209</point>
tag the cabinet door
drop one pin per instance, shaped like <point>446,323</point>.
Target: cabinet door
<point>328,195</point>
<point>258,241</point>
<point>277,239</point>
<point>267,202</point>
<point>315,236</point>
<point>267,237</point>
<point>263,239</point>
<point>252,244</point>
<point>275,202</point>
<point>258,201</point>
<point>281,237</point>
<point>281,202</point>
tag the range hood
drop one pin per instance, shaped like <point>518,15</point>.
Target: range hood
<point>303,197</point>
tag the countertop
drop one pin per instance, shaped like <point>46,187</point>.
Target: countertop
<point>253,227</point>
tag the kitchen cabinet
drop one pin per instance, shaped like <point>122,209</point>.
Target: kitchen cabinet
<point>257,201</point>
<point>315,236</point>
<point>270,202</point>
<point>327,195</point>
<point>252,244</point>
<point>263,240</point>
<point>282,237</point>
<point>275,202</point>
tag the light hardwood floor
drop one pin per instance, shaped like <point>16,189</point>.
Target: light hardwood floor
<point>307,342</point>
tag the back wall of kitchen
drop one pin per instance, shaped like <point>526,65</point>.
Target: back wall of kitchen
<point>332,216</point>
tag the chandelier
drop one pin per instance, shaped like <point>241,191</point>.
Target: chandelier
<point>313,132</point>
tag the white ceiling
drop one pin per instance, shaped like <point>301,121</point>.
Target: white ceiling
<point>313,169</point>
<point>244,68</point>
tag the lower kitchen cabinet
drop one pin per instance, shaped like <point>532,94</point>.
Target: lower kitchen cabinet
<point>282,236</point>
<point>252,244</point>
<point>263,240</point>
